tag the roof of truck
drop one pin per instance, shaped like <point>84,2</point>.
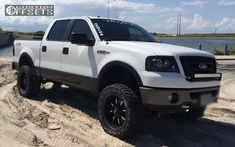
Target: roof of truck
<point>85,17</point>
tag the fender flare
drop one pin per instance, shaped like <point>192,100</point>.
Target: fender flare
<point>120,64</point>
<point>25,55</point>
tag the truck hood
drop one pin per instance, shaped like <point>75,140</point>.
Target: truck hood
<point>158,48</point>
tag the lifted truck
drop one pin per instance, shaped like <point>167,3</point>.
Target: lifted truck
<point>122,63</point>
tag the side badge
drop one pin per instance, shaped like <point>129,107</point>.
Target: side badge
<point>102,52</point>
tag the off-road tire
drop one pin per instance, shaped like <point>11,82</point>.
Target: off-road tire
<point>28,83</point>
<point>134,115</point>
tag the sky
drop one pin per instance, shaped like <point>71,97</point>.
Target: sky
<point>160,16</point>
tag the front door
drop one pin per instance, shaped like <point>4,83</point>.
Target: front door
<point>78,61</point>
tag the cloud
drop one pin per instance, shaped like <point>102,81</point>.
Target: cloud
<point>226,25</point>
<point>155,17</point>
<point>119,4</point>
<point>189,25</point>
<point>64,8</point>
<point>194,2</point>
<point>226,2</point>
<point>198,23</point>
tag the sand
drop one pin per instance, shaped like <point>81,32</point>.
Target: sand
<point>68,117</point>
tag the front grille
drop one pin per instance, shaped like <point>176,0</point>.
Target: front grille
<point>197,65</point>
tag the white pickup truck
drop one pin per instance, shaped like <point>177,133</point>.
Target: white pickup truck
<point>121,62</point>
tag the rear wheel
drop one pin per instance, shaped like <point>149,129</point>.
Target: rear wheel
<point>27,83</point>
<point>120,111</point>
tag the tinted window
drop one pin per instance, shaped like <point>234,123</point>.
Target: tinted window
<point>136,35</point>
<point>82,27</point>
<point>115,30</point>
<point>58,30</point>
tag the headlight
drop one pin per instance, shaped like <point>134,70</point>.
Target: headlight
<point>161,64</point>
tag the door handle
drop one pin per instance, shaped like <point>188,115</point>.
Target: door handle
<point>44,48</point>
<point>65,50</point>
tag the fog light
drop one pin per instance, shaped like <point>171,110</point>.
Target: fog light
<point>173,98</point>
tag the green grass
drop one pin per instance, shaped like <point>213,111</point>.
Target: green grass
<point>24,35</point>
<point>27,36</point>
<point>219,51</point>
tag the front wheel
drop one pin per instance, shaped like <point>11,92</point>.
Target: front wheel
<point>120,111</point>
<point>27,83</point>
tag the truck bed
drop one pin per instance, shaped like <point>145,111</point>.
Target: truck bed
<point>33,47</point>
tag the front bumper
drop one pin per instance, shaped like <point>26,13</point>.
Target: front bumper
<point>166,98</point>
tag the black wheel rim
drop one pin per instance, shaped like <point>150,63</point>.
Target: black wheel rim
<point>23,82</point>
<point>115,111</point>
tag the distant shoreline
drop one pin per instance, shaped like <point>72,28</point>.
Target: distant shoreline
<point>186,37</point>
<point>6,51</point>
<point>6,39</point>
<point>6,46</point>
<point>196,36</point>
<point>31,35</point>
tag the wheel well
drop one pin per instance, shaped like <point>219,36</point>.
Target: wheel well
<point>119,73</point>
<point>26,60</point>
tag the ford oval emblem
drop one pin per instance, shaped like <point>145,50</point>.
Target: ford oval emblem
<point>203,66</point>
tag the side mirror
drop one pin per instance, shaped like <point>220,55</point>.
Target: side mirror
<point>81,39</point>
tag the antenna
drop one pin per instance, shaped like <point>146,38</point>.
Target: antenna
<point>180,24</point>
<point>177,26</point>
<point>108,8</point>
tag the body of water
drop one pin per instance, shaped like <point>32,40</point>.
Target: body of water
<point>6,51</point>
<point>207,43</point>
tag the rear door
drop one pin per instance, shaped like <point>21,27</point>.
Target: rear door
<point>78,61</point>
<point>51,50</point>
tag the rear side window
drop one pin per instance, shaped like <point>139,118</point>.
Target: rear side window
<point>82,27</point>
<point>58,30</point>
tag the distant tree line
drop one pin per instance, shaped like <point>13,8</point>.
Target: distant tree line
<point>27,36</point>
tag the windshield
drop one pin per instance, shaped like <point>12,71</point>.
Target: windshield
<point>115,30</point>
